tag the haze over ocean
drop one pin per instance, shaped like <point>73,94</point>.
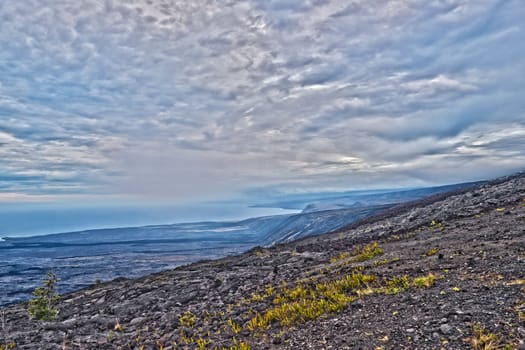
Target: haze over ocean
<point>24,221</point>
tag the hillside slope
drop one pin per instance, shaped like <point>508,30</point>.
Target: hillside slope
<point>443,273</point>
<point>81,258</point>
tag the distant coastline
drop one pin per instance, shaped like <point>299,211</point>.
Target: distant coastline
<point>203,213</point>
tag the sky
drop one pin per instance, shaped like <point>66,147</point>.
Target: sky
<point>175,100</point>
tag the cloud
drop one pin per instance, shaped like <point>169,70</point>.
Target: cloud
<point>183,99</point>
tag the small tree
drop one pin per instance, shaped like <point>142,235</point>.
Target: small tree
<point>43,306</point>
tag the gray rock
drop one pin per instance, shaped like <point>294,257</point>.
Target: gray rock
<point>137,320</point>
<point>446,328</point>
<point>358,304</point>
<point>104,321</point>
<point>70,323</point>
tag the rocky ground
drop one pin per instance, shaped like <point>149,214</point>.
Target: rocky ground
<point>447,272</point>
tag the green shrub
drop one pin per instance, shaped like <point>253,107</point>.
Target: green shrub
<point>367,252</point>
<point>46,297</point>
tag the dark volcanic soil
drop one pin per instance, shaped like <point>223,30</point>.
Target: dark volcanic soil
<point>467,249</point>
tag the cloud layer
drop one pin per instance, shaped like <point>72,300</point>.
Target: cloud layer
<point>181,99</point>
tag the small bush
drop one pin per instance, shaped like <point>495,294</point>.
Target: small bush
<point>425,281</point>
<point>187,319</point>
<point>9,346</point>
<point>483,340</point>
<point>46,297</point>
<point>432,252</point>
<point>367,252</point>
<point>342,256</point>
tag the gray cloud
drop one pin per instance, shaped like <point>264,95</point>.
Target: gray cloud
<point>180,99</point>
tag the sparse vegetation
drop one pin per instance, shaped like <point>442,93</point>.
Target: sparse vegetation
<point>381,262</point>
<point>360,254</point>
<point>187,319</point>
<point>260,253</point>
<point>435,225</point>
<point>342,256</point>
<point>385,261</point>
<point>8,346</point>
<point>308,300</point>
<point>296,302</point>
<point>482,340</point>
<point>235,327</point>
<point>432,251</point>
<point>396,285</point>
<point>43,306</point>
<point>202,343</point>
<point>118,326</point>
<point>367,252</point>
<point>425,281</point>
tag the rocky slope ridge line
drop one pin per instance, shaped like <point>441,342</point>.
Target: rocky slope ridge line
<point>442,273</point>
